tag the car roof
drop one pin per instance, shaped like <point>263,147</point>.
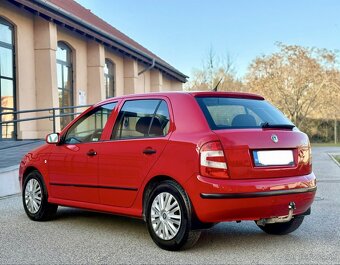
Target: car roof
<point>171,94</point>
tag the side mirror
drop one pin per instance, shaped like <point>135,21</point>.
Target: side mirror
<point>52,138</point>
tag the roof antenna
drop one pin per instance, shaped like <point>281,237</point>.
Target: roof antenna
<point>215,88</point>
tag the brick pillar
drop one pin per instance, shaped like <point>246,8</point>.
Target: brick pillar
<point>130,75</point>
<point>45,45</point>
<point>95,72</point>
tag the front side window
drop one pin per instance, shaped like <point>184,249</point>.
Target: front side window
<point>65,82</point>
<point>109,78</point>
<point>239,113</point>
<point>7,84</point>
<point>142,119</point>
<point>90,127</point>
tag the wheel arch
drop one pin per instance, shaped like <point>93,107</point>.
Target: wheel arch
<point>149,187</point>
<point>196,223</point>
<point>27,171</point>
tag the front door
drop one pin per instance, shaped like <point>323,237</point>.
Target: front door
<point>73,164</point>
<point>138,138</point>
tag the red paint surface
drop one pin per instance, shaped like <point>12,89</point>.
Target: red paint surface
<point>121,163</point>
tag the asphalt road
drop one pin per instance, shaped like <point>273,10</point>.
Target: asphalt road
<point>79,237</point>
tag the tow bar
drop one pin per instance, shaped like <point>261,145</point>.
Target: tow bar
<point>280,219</point>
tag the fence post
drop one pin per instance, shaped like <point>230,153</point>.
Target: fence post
<point>335,131</point>
<point>54,125</point>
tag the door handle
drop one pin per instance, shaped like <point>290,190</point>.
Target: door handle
<point>91,153</point>
<point>149,151</point>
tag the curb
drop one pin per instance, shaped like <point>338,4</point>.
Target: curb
<point>10,196</point>
<point>7,169</point>
<point>9,181</point>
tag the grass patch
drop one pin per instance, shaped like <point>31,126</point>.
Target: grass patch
<point>337,158</point>
<point>326,144</point>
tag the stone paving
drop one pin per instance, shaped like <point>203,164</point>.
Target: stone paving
<point>81,237</point>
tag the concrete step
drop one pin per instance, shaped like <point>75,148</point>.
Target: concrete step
<point>9,181</point>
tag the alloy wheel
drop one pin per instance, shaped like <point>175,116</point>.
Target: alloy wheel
<point>165,216</point>
<point>33,196</point>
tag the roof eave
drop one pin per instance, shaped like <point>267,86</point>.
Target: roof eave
<point>50,11</point>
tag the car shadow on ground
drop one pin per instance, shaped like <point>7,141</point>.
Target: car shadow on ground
<point>91,218</point>
<point>246,235</point>
<point>100,223</point>
<point>64,213</point>
<point>228,236</point>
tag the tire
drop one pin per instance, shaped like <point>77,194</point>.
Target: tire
<point>169,217</point>
<point>34,198</point>
<point>283,228</point>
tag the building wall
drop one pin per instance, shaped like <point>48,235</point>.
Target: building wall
<point>143,82</point>
<point>36,76</point>
<point>166,83</point>
<point>170,84</point>
<point>24,46</point>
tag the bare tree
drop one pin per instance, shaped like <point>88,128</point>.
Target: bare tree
<point>216,70</point>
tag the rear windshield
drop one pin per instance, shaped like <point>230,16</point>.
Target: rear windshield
<point>233,113</point>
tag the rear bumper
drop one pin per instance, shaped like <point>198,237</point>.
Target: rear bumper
<point>216,200</point>
<point>256,194</point>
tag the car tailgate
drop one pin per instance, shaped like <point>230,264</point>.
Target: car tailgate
<point>265,153</point>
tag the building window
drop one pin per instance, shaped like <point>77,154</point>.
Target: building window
<point>65,81</point>
<point>109,78</point>
<point>7,79</point>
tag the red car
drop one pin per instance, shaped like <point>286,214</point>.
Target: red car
<point>181,161</point>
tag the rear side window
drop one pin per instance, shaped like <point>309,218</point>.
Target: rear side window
<point>234,113</point>
<point>142,119</point>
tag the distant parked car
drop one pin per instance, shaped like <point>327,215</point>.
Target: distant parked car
<point>181,161</point>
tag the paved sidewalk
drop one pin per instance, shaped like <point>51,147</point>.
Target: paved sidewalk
<point>327,168</point>
<point>13,151</point>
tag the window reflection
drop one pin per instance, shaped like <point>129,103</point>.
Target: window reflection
<point>64,81</point>
<point>7,102</point>
<point>6,32</point>
<point>6,62</point>
<point>62,53</point>
<point>109,78</point>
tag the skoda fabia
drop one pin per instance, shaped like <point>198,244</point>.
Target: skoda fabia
<point>181,161</point>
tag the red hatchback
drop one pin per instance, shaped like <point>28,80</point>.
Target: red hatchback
<point>181,161</point>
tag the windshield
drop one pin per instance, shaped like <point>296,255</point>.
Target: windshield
<point>234,113</point>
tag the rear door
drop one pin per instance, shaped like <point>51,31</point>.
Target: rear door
<point>139,136</point>
<point>258,140</point>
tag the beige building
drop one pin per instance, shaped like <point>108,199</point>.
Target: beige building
<point>56,53</point>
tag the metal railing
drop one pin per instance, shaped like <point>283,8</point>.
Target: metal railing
<point>53,114</point>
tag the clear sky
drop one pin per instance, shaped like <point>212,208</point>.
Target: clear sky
<point>182,31</point>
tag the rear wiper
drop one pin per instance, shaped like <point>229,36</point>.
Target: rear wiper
<point>279,126</point>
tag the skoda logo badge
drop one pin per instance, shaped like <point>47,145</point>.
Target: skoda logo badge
<point>275,139</point>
